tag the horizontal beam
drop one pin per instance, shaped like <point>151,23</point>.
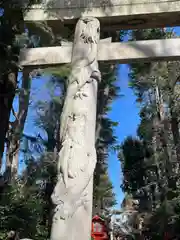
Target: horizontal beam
<point>150,50</point>
<point>113,14</point>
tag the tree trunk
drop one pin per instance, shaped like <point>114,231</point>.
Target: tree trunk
<point>72,196</point>
<point>7,93</point>
<point>175,132</point>
<point>17,127</point>
<point>11,24</point>
<point>21,119</point>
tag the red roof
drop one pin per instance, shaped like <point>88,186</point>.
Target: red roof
<point>97,218</point>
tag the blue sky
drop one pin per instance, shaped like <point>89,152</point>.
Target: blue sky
<point>124,111</point>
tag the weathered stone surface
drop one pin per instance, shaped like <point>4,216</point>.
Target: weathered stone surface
<point>117,14</point>
<point>150,50</point>
<point>72,196</point>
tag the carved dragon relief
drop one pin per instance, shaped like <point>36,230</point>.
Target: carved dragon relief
<point>71,190</point>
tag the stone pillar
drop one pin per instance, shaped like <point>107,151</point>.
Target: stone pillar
<point>72,196</point>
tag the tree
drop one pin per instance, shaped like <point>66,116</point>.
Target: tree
<point>15,132</point>
<point>132,160</point>
<point>106,140</point>
<point>104,198</point>
<point>16,128</point>
<point>11,29</point>
<point>37,181</point>
<point>158,146</point>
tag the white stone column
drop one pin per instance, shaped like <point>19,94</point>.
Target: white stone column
<point>72,196</point>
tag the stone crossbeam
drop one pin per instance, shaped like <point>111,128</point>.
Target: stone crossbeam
<point>113,14</point>
<point>150,50</point>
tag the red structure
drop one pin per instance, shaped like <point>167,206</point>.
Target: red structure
<point>166,236</point>
<point>99,229</point>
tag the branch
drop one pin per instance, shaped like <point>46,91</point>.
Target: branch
<point>15,114</point>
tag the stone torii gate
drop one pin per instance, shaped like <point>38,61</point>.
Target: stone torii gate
<point>72,196</point>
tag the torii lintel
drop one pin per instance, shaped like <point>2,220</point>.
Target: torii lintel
<point>150,50</point>
<point>113,14</point>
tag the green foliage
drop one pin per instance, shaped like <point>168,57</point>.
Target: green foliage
<point>104,198</point>
<point>145,127</point>
<point>21,210</point>
<point>132,160</point>
<point>149,164</point>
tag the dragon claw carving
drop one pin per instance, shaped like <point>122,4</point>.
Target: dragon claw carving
<point>80,94</point>
<point>71,175</point>
<point>96,75</point>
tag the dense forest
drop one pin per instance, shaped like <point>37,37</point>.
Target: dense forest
<point>150,162</point>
